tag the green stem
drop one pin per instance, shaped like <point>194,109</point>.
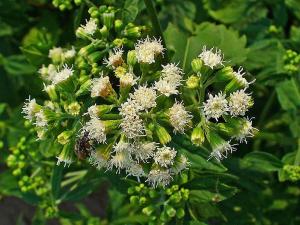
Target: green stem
<point>154,20</point>
<point>297,158</point>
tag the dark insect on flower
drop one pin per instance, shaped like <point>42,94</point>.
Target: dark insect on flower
<point>83,146</point>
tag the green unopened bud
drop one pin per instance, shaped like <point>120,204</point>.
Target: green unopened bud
<point>56,55</point>
<point>84,88</point>
<point>198,136</point>
<point>131,190</point>
<point>64,137</point>
<point>197,65</point>
<point>193,82</point>
<point>66,155</point>
<point>163,135</point>
<point>118,42</point>
<point>131,58</point>
<point>142,200</point>
<point>104,32</point>
<point>152,193</point>
<point>77,2</point>
<point>134,200</point>
<point>148,210</point>
<point>180,213</point>
<point>224,74</point>
<point>133,32</point>
<point>171,212</point>
<point>118,25</point>
<point>108,19</point>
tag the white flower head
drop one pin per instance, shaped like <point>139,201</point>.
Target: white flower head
<point>239,76</point>
<point>129,108</point>
<point>239,102</point>
<point>98,159</point>
<point>179,117</point>
<point>92,111</point>
<point>121,160</point>
<point>100,87</point>
<point>41,119</point>
<point>246,131</point>
<point>172,73</point>
<point>62,75</point>
<point>165,156</point>
<point>55,53</point>
<point>30,109</point>
<point>221,151</point>
<point>115,58</point>
<point>144,97</point>
<point>132,127</point>
<point>215,106</point>
<point>136,170</point>
<point>144,151</point>
<point>52,72</point>
<point>182,163</point>
<point>127,80</point>
<point>122,146</point>
<point>95,129</point>
<point>211,57</point>
<point>69,54</point>
<point>159,177</point>
<point>166,88</point>
<point>90,27</point>
<point>147,49</point>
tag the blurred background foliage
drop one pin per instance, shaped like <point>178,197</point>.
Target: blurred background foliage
<point>259,184</point>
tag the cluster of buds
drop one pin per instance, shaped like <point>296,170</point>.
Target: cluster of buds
<point>291,62</point>
<point>65,4</point>
<point>171,203</point>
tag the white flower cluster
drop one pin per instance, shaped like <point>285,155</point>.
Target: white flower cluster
<point>148,49</point>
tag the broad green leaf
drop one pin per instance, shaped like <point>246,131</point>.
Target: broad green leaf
<point>18,65</point>
<point>56,180</point>
<point>262,161</point>
<point>229,11</point>
<point>131,10</point>
<point>206,34</point>
<point>288,93</point>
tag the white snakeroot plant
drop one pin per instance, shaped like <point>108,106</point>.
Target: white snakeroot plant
<point>121,114</point>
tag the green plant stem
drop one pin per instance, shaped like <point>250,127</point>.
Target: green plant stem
<point>154,20</point>
<point>297,158</point>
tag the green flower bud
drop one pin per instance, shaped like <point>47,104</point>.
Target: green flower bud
<point>84,88</point>
<point>73,108</point>
<point>104,32</point>
<point>171,212</point>
<point>64,137</point>
<point>131,190</point>
<point>180,213</point>
<point>162,134</point>
<point>142,200</point>
<point>152,193</point>
<point>131,58</point>
<point>118,42</point>
<point>148,210</point>
<point>197,65</point>
<point>198,136</point>
<point>193,82</point>
<point>118,25</point>
<point>134,200</point>
<point>133,32</point>
<point>108,19</point>
<point>66,155</point>
<point>224,74</point>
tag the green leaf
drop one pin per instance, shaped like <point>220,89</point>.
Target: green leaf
<point>206,34</point>
<point>56,178</point>
<point>131,10</point>
<point>18,65</point>
<point>288,94</point>
<point>294,5</point>
<point>262,161</point>
<point>229,11</point>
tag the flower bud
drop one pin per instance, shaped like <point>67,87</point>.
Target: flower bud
<point>50,89</point>
<point>193,82</point>
<point>108,19</point>
<point>104,32</point>
<point>180,213</point>
<point>162,134</point>
<point>224,74</point>
<point>142,200</point>
<point>65,156</point>
<point>197,65</point>
<point>131,58</point>
<point>84,88</point>
<point>64,137</point>
<point>171,212</point>
<point>73,108</point>
<point>134,200</point>
<point>148,210</point>
<point>118,25</point>
<point>133,32</point>
<point>198,136</point>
